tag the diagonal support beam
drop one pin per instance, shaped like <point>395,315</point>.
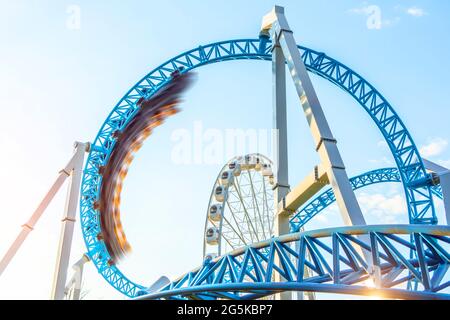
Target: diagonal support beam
<point>285,50</point>
<point>68,222</point>
<point>326,144</point>
<point>73,171</point>
<point>75,162</point>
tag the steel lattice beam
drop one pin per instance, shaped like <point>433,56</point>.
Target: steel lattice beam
<point>336,266</point>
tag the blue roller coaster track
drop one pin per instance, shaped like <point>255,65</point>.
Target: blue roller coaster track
<point>411,171</point>
<point>336,265</point>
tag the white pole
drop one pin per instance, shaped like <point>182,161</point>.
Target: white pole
<point>68,223</point>
<point>281,188</point>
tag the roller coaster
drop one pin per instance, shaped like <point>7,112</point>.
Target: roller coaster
<point>255,245</point>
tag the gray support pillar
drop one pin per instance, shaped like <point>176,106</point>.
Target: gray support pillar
<point>68,222</point>
<point>281,188</point>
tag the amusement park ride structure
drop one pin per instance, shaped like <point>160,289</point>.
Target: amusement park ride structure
<point>274,256</point>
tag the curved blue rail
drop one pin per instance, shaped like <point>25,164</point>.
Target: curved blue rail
<point>408,160</point>
<point>325,199</point>
<point>335,265</point>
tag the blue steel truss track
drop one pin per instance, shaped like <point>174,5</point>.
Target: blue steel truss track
<point>325,199</point>
<point>336,265</point>
<point>407,157</point>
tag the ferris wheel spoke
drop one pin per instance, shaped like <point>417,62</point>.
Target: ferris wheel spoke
<point>240,233</point>
<point>233,215</point>
<point>228,241</point>
<point>246,213</point>
<point>255,204</point>
<point>241,207</point>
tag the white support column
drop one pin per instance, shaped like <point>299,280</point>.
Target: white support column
<point>68,221</point>
<point>281,188</point>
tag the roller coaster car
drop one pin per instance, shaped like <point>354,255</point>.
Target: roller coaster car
<point>117,134</point>
<point>96,205</point>
<point>101,170</point>
<point>212,236</point>
<point>128,141</point>
<point>226,179</point>
<point>215,212</point>
<point>169,93</point>
<point>139,102</point>
<point>175,74</point>
<point>219,193</point>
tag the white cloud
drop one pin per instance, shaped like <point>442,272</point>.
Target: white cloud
<point>385,161</point>
<point>362,10</point>
<point>434,148</point>
<point>416,12</point>
<point>322,219</point>
<point>385,209</point>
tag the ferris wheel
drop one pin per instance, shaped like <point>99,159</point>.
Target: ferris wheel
<point>241,206</point>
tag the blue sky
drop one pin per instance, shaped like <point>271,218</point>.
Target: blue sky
<point>58,84</point>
